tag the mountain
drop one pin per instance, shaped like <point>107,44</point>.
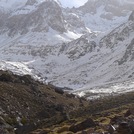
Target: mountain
<point>89,49</point>
<point>26,104</point>
<point>36,18</point>
<point>84,47</point>
<point>112,67</point>
<point>103,15</point>
<point>30,107</point>
<point>26,19</point>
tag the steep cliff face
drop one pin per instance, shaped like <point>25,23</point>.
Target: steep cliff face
<point>46,15</point>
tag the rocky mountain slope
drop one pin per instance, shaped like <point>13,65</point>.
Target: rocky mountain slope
<point>62,46</point>
<point>67,48</point>
<point>26,104</point>
<point>114,66</point>
<point>99,59</point>
<point>30,107</point>
<point>102,15</point>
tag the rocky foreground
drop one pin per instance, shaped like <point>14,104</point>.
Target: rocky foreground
<point>30,107</point>
<point>114,115</point>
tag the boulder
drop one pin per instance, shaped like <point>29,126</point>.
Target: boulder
<point>59,90</point>
<point>88,123</point>
<point>70,95</point>
<point>116,119</point>
<point>5,77</point>
<point>27,79</point>
<point>111,129</point>
<point>59,107</point>
<point>129,112</point>
<point>124,128</point>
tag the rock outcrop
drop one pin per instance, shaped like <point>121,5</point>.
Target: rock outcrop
<point>88,123</point>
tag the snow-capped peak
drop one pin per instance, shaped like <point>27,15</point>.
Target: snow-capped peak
<point>14,4</point>
<point>11,4</point>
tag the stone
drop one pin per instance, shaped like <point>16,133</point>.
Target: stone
<point>116,119</point>
<point>128,113</point>
<point>111,129</point>
<point>59,90</point>
<point>5,77</point>
<point>70,95</point>
<point>88,123</point>
<point>124,128</point>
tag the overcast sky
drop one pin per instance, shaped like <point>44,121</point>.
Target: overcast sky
<point>71,3</point>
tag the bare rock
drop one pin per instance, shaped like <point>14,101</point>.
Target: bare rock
<point>111,129</point>
<point>88,123</point>
<point>124,128</point>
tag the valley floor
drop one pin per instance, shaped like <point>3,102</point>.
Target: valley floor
<point>102,116</point>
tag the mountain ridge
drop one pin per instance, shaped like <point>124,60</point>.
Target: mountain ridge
<point>55,43</point>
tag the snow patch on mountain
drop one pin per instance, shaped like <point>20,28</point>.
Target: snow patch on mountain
<point>15,4</point>
<point>105,90</point>
<point>96,23</point>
